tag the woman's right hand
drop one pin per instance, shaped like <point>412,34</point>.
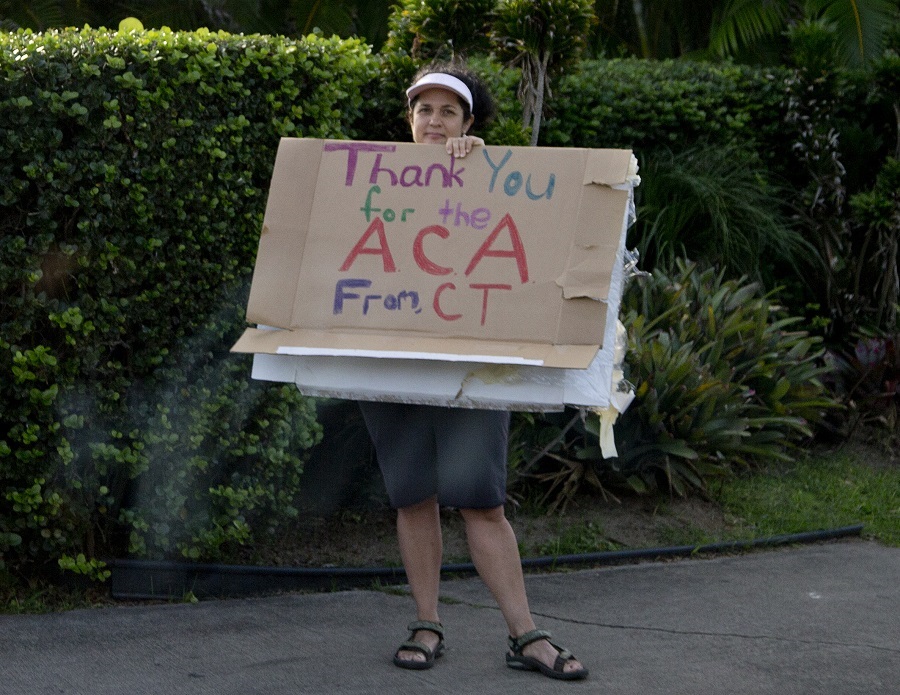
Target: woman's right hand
<point>461,146</point>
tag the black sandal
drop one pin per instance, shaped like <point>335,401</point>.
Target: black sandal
<point>412,645</point>
<point>519,661</point>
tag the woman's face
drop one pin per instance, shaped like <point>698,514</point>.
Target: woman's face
<point>437,116</point>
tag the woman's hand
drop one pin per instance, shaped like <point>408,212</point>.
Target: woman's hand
<point>461,146</point>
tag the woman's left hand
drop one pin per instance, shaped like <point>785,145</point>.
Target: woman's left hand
<point>461,146</point>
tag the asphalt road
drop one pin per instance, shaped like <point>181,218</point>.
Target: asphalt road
<point>820,619</point>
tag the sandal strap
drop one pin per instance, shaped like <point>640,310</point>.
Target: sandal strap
<point>415,646</point>
<point>562,656</point>
<point>517,644</point>
<point>429,625</point>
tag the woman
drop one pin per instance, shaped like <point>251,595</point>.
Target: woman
<point>455,457</point>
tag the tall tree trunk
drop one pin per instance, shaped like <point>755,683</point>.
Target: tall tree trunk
<point>527,90</point>
<point>539,99</point>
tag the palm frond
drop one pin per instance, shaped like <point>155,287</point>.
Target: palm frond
<point>860,24</point>
<point>716,203</point>
<point>744,22</point>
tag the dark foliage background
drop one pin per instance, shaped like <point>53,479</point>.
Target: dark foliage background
<point>135,169</point>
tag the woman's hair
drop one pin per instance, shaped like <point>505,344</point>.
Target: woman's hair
<point>482,103</point>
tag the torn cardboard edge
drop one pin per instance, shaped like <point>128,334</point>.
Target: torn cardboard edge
<point>331,343</point>
<point>604,171</point>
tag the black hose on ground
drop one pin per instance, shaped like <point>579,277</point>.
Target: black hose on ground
<point>161,579</point>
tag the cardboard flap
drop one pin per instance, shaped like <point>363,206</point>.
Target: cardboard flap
<point>283,236</point>
<point>588,268</point>
<point>607,167</point>
<point>587,278</point>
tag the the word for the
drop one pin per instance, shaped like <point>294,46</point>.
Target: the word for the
<point>389,214</point>
<point>477,219</point>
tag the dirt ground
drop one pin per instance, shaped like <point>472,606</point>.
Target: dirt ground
<point>367,538</point>
<point>346,521</point>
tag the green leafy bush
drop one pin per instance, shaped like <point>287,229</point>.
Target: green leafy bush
<point>647,105</point>
<point>135,169</point>
<point>439,29</point>
<point>723,379</point>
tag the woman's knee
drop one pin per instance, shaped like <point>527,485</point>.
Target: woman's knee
<point>490,515</point>
<point>428,506</point>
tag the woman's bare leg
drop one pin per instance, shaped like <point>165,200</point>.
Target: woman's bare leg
<point>421,548</point>
<point>495,552</point>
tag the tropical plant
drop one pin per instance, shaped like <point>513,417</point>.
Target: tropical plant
<point>652,29</point>
<point>877,275</point>
<point>541,37</point>
<point>877,212</point>
<point>746,30</point>
<point>886,75</point>
<point>814,99</point>
<point>866,380</point>
<point>858,25</point>
<point>764,395</point>
<point>723,380</point>
<point>716,204</point>
<point>439,29</point>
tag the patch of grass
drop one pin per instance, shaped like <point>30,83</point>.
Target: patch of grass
<point>574,540</point>
<point>674,529</point>
<point>390,589</point>
<point>687,535</point>
<point>47,598</point>
<point>823,491</point>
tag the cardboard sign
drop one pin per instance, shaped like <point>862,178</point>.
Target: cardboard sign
<point>400,251</point>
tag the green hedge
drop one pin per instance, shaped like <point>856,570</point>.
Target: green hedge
<point>135,169</point>
<point>672,105</point>
<point>645,105</point>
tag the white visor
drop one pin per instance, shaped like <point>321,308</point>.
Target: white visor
<point>443,81</point>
